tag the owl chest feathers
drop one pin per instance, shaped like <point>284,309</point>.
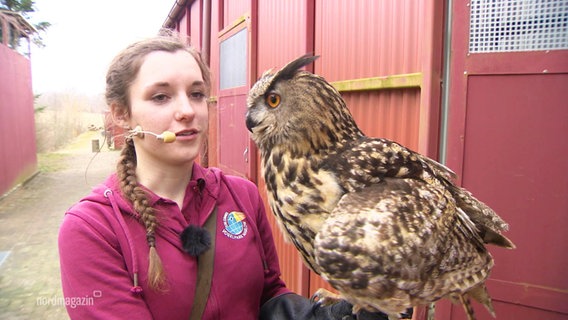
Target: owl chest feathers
<point>301,194</point>
<point>300,186</point>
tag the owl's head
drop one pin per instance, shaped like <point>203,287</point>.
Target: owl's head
<point>296,109</point>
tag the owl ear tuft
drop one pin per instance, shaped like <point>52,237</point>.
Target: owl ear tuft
<point>289,70</point>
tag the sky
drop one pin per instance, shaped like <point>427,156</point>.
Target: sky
<point>85,36</point>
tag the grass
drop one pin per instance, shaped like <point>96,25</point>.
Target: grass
<point>56,129</point>
<point>51,162</point>
<point>83,141</point>
<point>55,161</point>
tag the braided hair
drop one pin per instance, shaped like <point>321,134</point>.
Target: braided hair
<point>121,74</point>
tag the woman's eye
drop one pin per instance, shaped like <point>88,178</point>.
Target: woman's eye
<point>161,98</point>
<point>198,96</point>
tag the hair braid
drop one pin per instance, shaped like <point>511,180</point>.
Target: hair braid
<point>126,170</point>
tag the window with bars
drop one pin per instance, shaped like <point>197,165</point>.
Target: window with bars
<point>523,25</point>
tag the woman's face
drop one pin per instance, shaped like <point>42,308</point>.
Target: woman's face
<point>169,94</point>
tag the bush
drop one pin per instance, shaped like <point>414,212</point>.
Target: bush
<point>62,117</point>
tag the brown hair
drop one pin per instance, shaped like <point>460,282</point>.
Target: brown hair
<point>121,74</point>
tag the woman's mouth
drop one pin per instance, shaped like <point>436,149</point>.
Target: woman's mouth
<point>186,133</point>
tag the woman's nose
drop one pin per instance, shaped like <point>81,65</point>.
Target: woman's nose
<point>185,110</point>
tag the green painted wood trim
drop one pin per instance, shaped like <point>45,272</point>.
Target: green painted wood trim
<point>397,81</point>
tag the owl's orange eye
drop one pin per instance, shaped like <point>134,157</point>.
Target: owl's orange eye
<point>273,100</point>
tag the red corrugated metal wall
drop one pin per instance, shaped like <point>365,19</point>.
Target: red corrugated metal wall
<point>359,39</point>
<point>194,24</point>
<point>363,39</point>
<point>18,160</point>
<point>184,26</point>
<point>393,114</point>
<point>232,10</point>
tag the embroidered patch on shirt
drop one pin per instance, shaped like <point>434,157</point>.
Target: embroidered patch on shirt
<point>235,226</point>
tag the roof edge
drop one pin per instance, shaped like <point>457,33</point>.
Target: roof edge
<point>175,11</point>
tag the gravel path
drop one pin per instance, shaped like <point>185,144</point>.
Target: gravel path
<point>30,216</point>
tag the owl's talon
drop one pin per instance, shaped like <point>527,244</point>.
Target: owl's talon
<point>323,297</point>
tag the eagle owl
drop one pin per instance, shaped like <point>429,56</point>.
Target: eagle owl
<point>384,225</point>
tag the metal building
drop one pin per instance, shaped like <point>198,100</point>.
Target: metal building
<point>480,85</point>
<point>18,160</point>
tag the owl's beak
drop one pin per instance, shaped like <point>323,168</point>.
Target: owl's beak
<point>250,123</point>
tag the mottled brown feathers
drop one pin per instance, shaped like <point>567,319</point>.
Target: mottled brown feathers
<point>384,225</point>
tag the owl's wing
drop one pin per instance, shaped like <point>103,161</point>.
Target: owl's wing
<point>369,160</point>
<point>487,221</point>
<point>362,163</point>
<point>399,243</point>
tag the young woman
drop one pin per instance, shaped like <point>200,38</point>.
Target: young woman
<point>130,249</point>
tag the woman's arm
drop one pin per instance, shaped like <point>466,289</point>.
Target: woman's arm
<point>96,283</point>
<point>273,284</point>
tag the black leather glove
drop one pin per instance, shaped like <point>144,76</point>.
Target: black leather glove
<point>291,306</point>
